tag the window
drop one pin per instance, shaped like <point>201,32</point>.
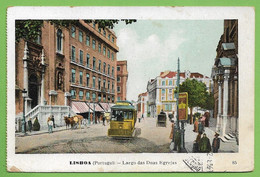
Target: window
<point>118,89</point>
<point>99,29</point>
<point>108,85</point>
<point>87,96</point>
<point>113,39</point>
<point>59,41</point>
<point>104,83</point>
<point>113,87</point>
<point>93,44</point>
<point>104,98</point>
<point>118,78</point>
<point>87,80</point>
<point>87,60</point>
<point>112,56</point>
<point>108,53</point>
<point>170,94</point>
<point>94,81</point>
<point>99,97</point>
<point>81,57</point>
<point>163,94</point>
<point>104,51</point>
<point>118,68</point>
<point>108,70</point>
<point>170,82</point>
<point>163,83</point>
<point>112,71</point>
<point>94,63</point>
<point>94,25</point>
<point>94,96</point>
<point>104,67</point>
<point>99,47</point>
<point>80,36</point>
<point>80,94</point>
<point>73,74</point>
<point>73,94</point>
<point>81,78</point>
<point>99,83</point>
<point>73,31</point>
<point>99,65</point>
<point>73,54</point>
<point>87,40</point>
<point>108,36</point>
<point>104,33</point>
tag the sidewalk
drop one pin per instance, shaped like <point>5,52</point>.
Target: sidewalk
<point>190,136</point>
<point>57,129</point>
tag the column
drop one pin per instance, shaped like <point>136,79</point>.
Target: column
<point>225,102</point>
<point>42,82</point>
<point>219,105</point>
<point>25,74</point>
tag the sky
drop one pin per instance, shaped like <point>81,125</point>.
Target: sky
<point>153,46</point>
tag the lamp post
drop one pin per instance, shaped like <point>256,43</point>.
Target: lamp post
<point>24,94</point>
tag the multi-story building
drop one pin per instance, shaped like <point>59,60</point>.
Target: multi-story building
<point>65,65</point>
<point>161,90</point>
<point>225,77</point>
<point>142,105</point>
<point>122,76</point>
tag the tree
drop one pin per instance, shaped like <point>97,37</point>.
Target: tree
<point>197,94</point>
<point>31,29</point>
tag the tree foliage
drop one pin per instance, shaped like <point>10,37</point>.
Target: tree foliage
<point>31,29</point>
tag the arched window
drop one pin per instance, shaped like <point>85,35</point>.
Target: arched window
<point>59,41</point>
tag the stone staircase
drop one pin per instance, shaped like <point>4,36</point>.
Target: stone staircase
<point>229,138</point>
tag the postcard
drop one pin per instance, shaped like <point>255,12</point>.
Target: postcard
<point>130,89</point>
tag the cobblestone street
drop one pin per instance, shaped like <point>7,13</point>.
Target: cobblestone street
<point>94,139</point>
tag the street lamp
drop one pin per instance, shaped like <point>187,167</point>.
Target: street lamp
<point>24,94</point>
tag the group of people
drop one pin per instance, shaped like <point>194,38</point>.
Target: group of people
<point>203,144</point>
<point>50,123</point>
<point>98,118</point>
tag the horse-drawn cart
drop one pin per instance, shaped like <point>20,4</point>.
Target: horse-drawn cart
<point>161,120</point>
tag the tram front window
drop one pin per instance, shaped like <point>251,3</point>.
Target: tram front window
<point>121,115</point>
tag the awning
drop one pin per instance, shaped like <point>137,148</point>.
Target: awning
<point>97,107</point>
<point>80,107</point>
<point>105,106</point>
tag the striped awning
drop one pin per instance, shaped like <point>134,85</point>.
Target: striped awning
<point>105,106</point>
<point>97,107</point>
<point>80,107</point>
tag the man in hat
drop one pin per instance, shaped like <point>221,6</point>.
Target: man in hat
<point>30,124</point>
<point>216,143</point>
<point>204,145</point>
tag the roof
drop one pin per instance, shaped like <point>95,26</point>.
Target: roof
<point>124,107</point>
<point>142,94</point>
<point>80,107</point>
<point>171,74</point>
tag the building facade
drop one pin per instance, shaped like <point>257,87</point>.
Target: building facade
<point>122,76</point>
<point>161,90</point>
<point>66,64</point>
<point>142,105</point>
<point>225,77</point>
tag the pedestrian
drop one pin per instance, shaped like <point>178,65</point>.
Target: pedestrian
<point>177,141</point>
<point>91,117</point>
<point>203,119</point>
<point>204,145</point>
<point>200,127</point>
<point>142,116</point>
<point>50,124</point>
<point>30,124</point>
<point>196,143</point>
<point>216,143</point>
<point>196,125</point>
<point>52,118</point>
<point>103,119</point>
<point>172,130</point>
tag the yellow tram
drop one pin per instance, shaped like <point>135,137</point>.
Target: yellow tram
<point>123,119</point>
